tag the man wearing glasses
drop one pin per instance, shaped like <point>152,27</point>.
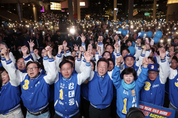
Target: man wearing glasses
<point>154,89</point>
<point>34,85</point>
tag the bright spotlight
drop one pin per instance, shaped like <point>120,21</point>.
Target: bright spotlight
<point>72,31</point>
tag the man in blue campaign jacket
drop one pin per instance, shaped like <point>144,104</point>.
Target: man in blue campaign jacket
<point>129,61</point>
<point>34,85</point>
<point>128,88</point>
<point>9,97</point>
<point>67,89</point>
<point>100,91</point>
<point>154,89</point>
<point>173,85</point>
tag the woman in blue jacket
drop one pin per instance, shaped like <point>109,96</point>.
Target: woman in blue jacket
<point>128,88</point>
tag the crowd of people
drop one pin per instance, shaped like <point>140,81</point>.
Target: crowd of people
<point>101,70</point>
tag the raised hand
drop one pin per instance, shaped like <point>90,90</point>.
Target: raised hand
<point>87,56</point>
<point>82,49</point>
<point>145,47</point>
<point>31,43</point>
<point>60,48</point>
<point>162,53</point>
<point>90,48</point>
<point>5,53</point>
<point>49,50</point>
<point>75,47</point>
<point>148,47</point>
<point>99,50</point>
<point>119,60</point>
<point>145,62</point>
<point>116,46</point>
<point>66,48</point>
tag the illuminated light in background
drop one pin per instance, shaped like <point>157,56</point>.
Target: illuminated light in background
<point>55,6</point>
<point>82,4</point>
<point>172,1</point>
<point>42,9</point>
<point>169,41</point>
<point>161,41</point>
<point>72,30</point>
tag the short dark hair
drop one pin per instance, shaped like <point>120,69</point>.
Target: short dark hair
<point>69,58</point>
<point>34,62</point>
<point>175,58</point>
<point>127,71</point>
<point>103,59</point>
<point>129,40</point>
<point>125,49</point>
<point>1,70</point>
<point>64,62</point>
<point>153,50</point>
<point>110,59</point>
<point>17,59</point>
<point>93,63</point>
<point>110,45</point>
<point>152,59</point>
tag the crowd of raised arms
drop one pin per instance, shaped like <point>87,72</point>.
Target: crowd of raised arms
<point>101,71</point>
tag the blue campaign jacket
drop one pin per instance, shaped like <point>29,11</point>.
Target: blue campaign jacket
<point>127,98</point>
<point>35,93</point>
<point>100,91</point>
<point>9,97</point>
<point>134,66</point>
<point>67,96</point>
<point>173,90</point>
<point>84,90</point>
<point>153,92</point>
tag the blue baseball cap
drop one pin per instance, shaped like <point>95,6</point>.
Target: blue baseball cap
<point>129,55</point>
<point>153,67</point>
<point>138,37</point>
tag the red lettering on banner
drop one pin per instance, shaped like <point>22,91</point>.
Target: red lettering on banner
<point>153,110</point>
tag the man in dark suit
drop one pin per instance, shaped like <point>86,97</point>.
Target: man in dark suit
<point>78,40</point>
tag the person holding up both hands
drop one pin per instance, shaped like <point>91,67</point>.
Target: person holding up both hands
<point>34,85</point>
<point>128,89</point>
